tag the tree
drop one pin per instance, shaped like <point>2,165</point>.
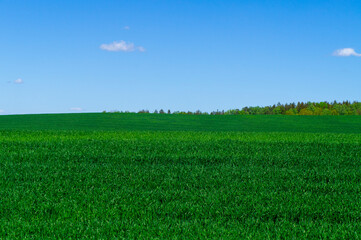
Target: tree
<point>305,111</point>
<point>318,111</point>
<point>301,108</point>
<point>326,111</point>
<point>143,111</point>
<point>292,111</point>
<point>277,110</point>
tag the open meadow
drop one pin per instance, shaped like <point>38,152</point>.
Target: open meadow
<point>151,176</point>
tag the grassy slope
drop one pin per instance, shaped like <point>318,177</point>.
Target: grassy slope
<point>161,184</point>
<point>111,122</point>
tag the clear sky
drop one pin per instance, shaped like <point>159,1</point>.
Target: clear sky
<point>95,55</point>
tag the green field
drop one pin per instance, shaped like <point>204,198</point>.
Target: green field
<point>165,122</point>
<point>105,176</point>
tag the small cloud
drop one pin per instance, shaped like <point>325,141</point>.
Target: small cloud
<point>141,49</point>
<point>121,46</point>
<point>76,109</point>
<point>1,111</point>
<point>19,81</point>
<point>126,28</point>
<point>346,52</point>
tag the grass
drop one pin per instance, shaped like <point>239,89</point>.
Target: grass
<point>214,180</point>
<point>165,122</point>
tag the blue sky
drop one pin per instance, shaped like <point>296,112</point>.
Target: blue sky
<point>89,56</point>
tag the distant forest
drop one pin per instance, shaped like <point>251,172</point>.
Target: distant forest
<point>301,108</point>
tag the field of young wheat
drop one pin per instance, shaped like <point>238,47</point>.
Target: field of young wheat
<point>184,179</point>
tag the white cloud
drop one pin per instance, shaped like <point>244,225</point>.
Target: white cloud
<point>118,46</point>
<point>346,52</point>
<point>19,81</point>
<point>1,111</point>
<point>126,28</point>
<point>141,49</point>
<point>121,46</point>
<point>77,109</point>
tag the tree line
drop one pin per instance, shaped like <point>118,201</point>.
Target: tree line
<point>301,108</point>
